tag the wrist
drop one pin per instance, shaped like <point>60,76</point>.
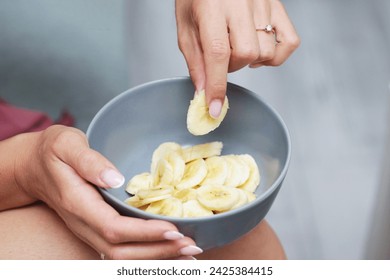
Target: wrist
<point>15,153</point>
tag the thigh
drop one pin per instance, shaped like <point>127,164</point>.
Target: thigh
<point>259,244</point>
<point>36,232</point>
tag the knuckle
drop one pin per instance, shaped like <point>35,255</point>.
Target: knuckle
<point>293,42</point>
<point>110,235</point>
<point>219,50</point>
<point>86,158</point>
<point>183,44</point>
<point>267,54</point>
<point>218,87</point>
<point>247,54</point>
<point>61,139</point>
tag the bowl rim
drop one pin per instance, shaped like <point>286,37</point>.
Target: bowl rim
<point>140,213</point>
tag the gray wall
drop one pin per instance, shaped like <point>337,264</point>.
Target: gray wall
<point>62,54</point>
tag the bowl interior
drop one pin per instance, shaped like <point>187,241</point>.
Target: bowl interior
<point>131,126</point>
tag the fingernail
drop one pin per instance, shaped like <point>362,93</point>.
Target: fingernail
<point>173,235</point>
<point>215,108</point>
<point>112,178</point>
<point>255,65</point>
<point>190,250</point>
<point>186,258</point>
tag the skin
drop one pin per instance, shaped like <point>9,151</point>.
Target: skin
<point>57,167</point>
<point>49,208</point>
<point>219,36</point>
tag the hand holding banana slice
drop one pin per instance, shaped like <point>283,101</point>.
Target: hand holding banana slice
<point>199,121</point>
<point>194,181</point>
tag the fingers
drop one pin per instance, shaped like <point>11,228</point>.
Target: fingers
<point>243,40</point>
<point>71,146</point>
<point>215,44</point>
<point>162,248</point>
<point>189,44</point>
<point>266,39</point>
<point>276,46</point>
<point>286,34</point>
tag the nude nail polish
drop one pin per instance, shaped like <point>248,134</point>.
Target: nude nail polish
<point>190,250</point>
<point>173,235</point>
<point>215,108</point>
<point>112,178</point>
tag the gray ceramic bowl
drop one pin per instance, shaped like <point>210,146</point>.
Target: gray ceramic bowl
<point>129,127</point>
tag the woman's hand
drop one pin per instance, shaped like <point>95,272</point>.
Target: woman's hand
<point>221,36</point>
<point>58,167</point>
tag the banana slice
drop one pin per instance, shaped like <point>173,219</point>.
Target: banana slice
<point>185,195</point>
<point>192,208</point>
<point>202,151</point>
<point>217,171</point>
<point>163,174</point>
<point>137,202</point>
<point>142,181</point>
<point>162,151</point>
<point>242,200</point>
<point>238,172</point>
<point>217,197</point>
<point>194,173</point>
<point>253,180</point>
<point>250,195</point>
<point>176,160</point>
<point>166,207</point>
<point>199,121</point>
<point>244,169</point>
<point>155,192</point>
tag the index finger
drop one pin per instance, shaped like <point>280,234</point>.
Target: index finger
<point>214,38</point>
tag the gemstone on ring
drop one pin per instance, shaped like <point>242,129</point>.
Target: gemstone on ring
<point>268,28</point>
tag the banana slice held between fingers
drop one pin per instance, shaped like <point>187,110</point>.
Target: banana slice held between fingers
<point>199,121</point>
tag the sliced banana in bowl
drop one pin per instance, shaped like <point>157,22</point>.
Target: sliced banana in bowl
<point>197,178</point>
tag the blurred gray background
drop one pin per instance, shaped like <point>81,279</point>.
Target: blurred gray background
<point>333,94</point>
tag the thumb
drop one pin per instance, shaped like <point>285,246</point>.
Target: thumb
<point>73,149</point>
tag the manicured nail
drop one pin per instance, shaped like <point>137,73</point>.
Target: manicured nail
<point>112,178</point>
<point>215,108</point>
<point>186,258</point>
<point>256,65</point>
<point>190,250</point>
<point>173,235</point>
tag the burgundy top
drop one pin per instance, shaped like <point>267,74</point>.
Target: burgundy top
<point>15,120</point>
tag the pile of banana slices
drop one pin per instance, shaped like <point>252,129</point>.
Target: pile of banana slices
<point>194,181</point>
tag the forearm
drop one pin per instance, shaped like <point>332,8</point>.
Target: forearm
<point>13,155</point>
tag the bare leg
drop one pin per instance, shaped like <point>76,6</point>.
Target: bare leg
<point>259,244</point>
<point>36,232</point>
